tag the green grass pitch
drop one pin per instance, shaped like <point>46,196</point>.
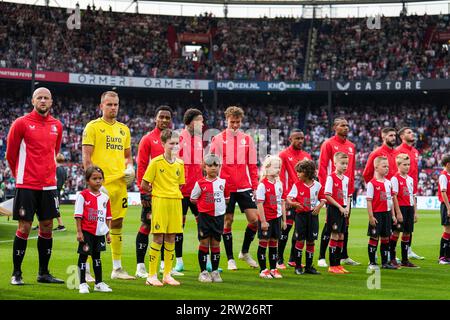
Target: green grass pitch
<point>429,282</point>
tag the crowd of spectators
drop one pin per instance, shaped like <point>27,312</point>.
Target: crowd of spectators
<point>429,121</point>
<point>402,49</point>
<point>143,45</point>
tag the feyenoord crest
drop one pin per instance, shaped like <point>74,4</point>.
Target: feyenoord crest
<point>22,212</point>
<point>243,141</point>
<point>86,248</point>
<point>335,226</point>
<point>178,172</point>
<point>104,205</point>
<point>122,132</point>
<point>157,226</point>
<point>221,187</point>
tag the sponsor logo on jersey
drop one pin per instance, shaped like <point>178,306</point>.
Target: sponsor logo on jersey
<point>155,141</point>
<point>102,130</point>
<point>32,127</point>
<point>336,147</point>
<point>88,203</point>
<point>161,170</point>
<point>290,158</point>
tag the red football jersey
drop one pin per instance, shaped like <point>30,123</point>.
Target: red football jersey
<point>444,181</point>
<point>384,151</point>
<point>403,187</point>
<point>289,158</point>
<point>337,188</point>
<point>270,193</point>
<point>307,196</point>
<point>211,196</point>
<point>93,210</point>
<point>380,194</point>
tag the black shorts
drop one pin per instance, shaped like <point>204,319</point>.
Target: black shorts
<point>306,226</point>
<point>383,227</point>
<point>209,226</point>
<point>336,221</point>
<point>144,212</point>
<point>245,199</point>
<point>43,203</point>
<point>274,230</point>
<point>290,214</point>
<point>92,243</point>
<point>408,220</point>
<point>187,204</point>
<point>445,220</point>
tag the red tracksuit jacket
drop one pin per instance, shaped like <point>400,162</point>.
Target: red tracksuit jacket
<point>32,145</point>
<point>238,154</point>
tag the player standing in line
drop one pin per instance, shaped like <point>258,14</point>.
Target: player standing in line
<point>338,143</point>
<point>408,138</point>
<point>405,207</point>
<point>288,176</point>
<point>381,213</point>
<point>211,196</point>
<point>272,213</point>
<point>387,149</point>
<point>307,197</point>
<point>33,142</point>
<point>149,148</point>
<point>338,198</point>
<point>444,198</point>
<point>165,174</point>
<point>239,168</point>
<point>106,144</point>
<point>191,152</point>
<point>93,220</point>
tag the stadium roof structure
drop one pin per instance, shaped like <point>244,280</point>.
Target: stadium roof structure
<point>290,2</point>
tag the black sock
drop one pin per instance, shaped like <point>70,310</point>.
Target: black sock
<point>215,258</point>
<point>405,247</point>
<point>372,249</point>
<point>445,244</point>
<point>44,244</point>
<point>179,245</point>
<point>249,235</point>
<point>19,248</point>
<point>384,248</point>
<point>332,252</point>
<point>324,240</point>
<point>338,253</point>
<point>293,242</point>
<point>273,256</point>
<point>262,255</point>
<point>228,243</point>
<point>344,254</point>
<point>282,243</point>
<point>82,258</point>
<point>298,253</point>
<point>309,255</point>
<point>202,253</point>
<point>97,266</point>
<point>392,247</point>
<point>141,247</point>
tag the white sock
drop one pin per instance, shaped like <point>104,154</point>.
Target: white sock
<point>117,264</point>
<point>180,260</point>
<point>141,266</point>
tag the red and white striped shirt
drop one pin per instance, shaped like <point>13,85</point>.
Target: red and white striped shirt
<point>380,194</point>
<point>270,193</point>
<point>307,196</point>
<point>444,181</point>
<point>93,210</point>
<point>404,189</point>
<point>211,196</point>
<point>337,188</point>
